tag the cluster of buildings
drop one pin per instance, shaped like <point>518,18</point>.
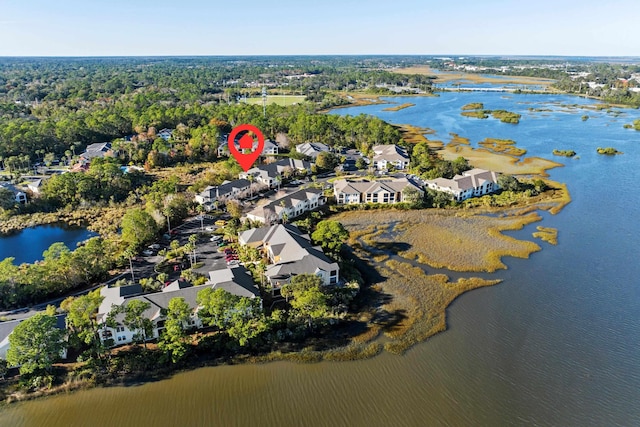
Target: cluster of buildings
<point>289,253</point>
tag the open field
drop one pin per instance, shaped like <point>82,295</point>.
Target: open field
<point>283,100</point>
<point>443,77</point>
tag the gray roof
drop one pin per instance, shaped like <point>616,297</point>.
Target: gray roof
<point>213,192</point>
<point>311,149</point>
<point>96,150</point>
<point>397,185</point>
<point>159,301</point>
<point>468,180</point>
<point>285,202</point>
<point>235,280</point>
<point>390,153</point>
<point>116,295</point>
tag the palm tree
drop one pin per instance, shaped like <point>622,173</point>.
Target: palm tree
<point>192,242</point>
<point>200,210</point>
<point>129,254</point>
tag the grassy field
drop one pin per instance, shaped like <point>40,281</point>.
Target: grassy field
<point>283,100</point>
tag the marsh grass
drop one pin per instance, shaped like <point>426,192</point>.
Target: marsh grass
<point>415,134</point>
<point>476,114</point>
<point>399,107</point>
<point>458,140</point>
<point>473,106</point>
<point>503,146</point>
<point>503,163</point>
<point>564,153</point>
<point>449,239</point>
<point>547,234</point>
<point>422,299</point>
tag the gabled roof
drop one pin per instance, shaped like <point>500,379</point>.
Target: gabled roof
<point>470,179</point>
<point>396,185</point>
<point>312,149</point>
<point>212,192</point>
<point>276,168</point>
<point>97,149</point>
<point>116,296</point>
<point>390,153</point>
<point>235,280</point>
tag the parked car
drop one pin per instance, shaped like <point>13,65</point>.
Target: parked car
<point>147,252</point>
<point>210,228</point>
<point>220,223</point>
<point>155,246</point>
<point>232,262</point>
<point>215,238</point>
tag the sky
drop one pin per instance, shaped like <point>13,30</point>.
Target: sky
<point>260,27</point>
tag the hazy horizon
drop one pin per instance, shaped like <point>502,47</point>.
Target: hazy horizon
<point>71,28</point>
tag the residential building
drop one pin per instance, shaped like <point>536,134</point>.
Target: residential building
<point>165,134</point>
<point>19,196</point>
<point>99,149</point>
<point>291,205</point>
<point>290,252</point>
<point>270,174</point>
<point>381,191</point>
<point>390,155</point>
<point>270,148</point>
<point>312,149</point>
<point>236,281</point>
<point>225,191</point>
<point>472,183</point>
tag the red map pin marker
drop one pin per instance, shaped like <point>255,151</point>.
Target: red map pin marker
<point>246,160</point>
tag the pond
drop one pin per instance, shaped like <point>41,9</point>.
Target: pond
<point>27,245</point>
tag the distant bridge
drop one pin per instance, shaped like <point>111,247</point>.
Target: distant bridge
<point>485,89</point>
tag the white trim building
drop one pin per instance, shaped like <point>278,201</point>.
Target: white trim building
<point>472,183</point>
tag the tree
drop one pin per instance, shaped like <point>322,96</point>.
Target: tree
<point>4,368</point>
<point>214,304</point>
<point>308,300</point>
<point>330,234</point>
<point>413,196</point>
<point>81,319</point>
<point>135,320</point>
<point>234,208</point>
<point>326,160</point>
<point>35,344</point>
<point>138,228</point>
<point>246,320</point>
<point>173,339</point>
<point>508,182</point>
<point>7,199</point>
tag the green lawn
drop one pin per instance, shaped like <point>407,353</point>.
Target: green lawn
<point>278,99</point>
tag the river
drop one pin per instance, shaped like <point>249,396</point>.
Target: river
<point>557,343</point>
